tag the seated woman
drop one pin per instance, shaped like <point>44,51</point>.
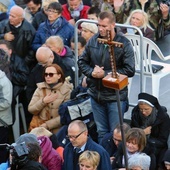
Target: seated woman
<point>135,144</point>
<point>48,97</point>
<point>139,18</point>
<point>89,160</point>
<point>154,120</point>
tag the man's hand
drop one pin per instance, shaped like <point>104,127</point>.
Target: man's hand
<point>98,72</point>
<point>165,10</point>
<point>9,36</point>
<point>50,98</point>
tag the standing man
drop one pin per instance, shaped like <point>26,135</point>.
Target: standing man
<point>79,142</point>
<point>19,33</point>
<point>95,64</point>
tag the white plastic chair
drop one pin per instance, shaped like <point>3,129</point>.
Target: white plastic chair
<point>16,126</point>
<point>148,48</point>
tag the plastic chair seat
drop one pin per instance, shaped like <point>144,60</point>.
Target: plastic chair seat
<point>148,48</point>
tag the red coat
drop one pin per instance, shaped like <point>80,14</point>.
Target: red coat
<point>67,16</point>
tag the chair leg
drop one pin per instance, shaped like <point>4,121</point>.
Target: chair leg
<point>16,125</point>
<point>21,109</point>
<point>155,86</point>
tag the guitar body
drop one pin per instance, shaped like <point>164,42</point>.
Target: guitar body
<point>115,83</point>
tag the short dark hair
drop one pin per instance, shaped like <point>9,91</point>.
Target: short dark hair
<point>37,2</point>
<point>81,40</point>
<point>34,151</point>
<point>126,127</point>
<point>94,10</point>
<point>56,6</point>
<point>109,15</point>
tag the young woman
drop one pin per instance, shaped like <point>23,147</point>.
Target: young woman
<point>48,97</point>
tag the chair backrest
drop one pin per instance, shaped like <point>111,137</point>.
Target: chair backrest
<point>149,49</point>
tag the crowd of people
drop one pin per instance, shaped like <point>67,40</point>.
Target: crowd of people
<point>37,65</point>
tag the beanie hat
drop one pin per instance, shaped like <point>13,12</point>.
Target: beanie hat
<point>6,3</point>
<point>149,99</point>
<point>27,138</point>
<point>90,26</point>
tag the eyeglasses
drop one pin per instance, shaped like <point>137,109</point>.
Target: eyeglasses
<point>50,74</point>
<point>52,11</point>
<point>74,137</point>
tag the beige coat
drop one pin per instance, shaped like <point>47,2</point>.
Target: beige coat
<point>37,107</point>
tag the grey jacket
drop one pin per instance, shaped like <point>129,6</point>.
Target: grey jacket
<point>5,99</point>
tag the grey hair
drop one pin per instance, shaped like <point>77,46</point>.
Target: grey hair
<point>145,18</point>
<point>142,160</point>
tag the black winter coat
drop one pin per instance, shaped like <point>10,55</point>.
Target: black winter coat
<point>96,53</point>
<point>23,39</point>
<point>160,128</point>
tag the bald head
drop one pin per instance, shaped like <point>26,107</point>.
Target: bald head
<point>16,15</point>
<point>44,56</point>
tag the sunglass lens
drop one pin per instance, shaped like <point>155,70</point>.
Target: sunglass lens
<point>49,74</point>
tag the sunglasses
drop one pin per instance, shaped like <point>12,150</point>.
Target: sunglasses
<point>50,74</point>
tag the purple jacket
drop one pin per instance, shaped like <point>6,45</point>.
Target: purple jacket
<point>50,158</point>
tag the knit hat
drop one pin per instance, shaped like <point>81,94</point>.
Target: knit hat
<point>90,26</point>
<point>27,138</point>
<point>6,3</point>
<point>149,99</point>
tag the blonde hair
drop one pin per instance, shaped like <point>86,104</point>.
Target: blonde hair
<point>55,41</point>
<point>45,3</point>
<point>92,157</point>
<point>3,8</point>
<point>40,131</point>
<point>145,18</point>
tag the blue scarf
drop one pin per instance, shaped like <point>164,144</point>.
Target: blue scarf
<point>54,27</point>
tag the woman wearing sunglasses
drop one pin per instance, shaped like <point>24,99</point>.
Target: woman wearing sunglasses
<point>48,97</point>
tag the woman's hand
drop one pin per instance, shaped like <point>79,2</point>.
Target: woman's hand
<point>147,130</point>
<point>165,10</point>
<point>50,98</point>
<point>117,4</point>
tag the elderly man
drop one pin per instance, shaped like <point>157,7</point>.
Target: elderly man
<point>79,142</point>
<point>20,33</point>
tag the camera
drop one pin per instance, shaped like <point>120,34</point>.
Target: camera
<point>18,154</point>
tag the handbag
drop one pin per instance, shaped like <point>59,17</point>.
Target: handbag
<point>36,120</point>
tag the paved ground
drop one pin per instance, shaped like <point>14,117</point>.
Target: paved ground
<point>164,94</point>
